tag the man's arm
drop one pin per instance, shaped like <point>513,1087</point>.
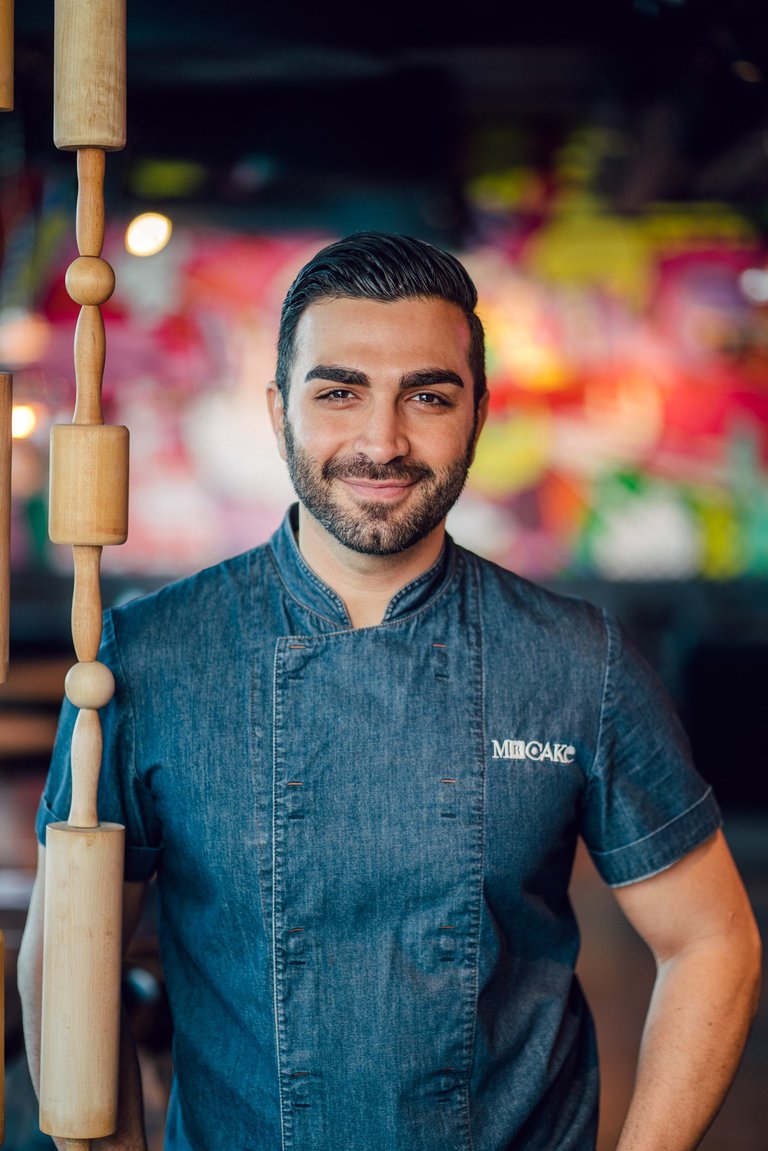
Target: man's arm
<point>130,1133</point>
<point>697,921</point>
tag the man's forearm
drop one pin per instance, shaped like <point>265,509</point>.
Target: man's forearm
<point>703,1003</point>
<point>130,1132</point>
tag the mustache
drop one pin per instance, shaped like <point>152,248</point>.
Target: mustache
<point>361,468</point>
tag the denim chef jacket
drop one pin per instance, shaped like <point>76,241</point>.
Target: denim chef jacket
<point>363,841</point>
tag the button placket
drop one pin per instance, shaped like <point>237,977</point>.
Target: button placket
<point>362,811</point>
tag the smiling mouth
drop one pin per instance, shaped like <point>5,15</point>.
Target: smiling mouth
<point>379,490</point>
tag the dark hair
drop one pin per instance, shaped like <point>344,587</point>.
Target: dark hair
<point>379,266</point>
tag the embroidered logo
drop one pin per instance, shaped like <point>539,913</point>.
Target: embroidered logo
<point>533,749</point>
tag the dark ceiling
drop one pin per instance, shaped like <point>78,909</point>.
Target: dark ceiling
<point>288,111</point>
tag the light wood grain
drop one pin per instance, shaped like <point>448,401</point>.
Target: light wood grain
<point>86,602</point>
<point>89,684</point>
<point>90,354</point>
<point>89,226</point>
<point>88,484</point>
<point>89,74</point>
<point>86,765</point>
<point>81,981</point>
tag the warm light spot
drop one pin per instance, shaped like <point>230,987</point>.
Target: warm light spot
<point>747,71</point>
<point>23,421</point>
<point>148,234</point>
<point>24,337</point>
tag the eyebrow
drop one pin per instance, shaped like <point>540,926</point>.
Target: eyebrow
<point>423,378</point>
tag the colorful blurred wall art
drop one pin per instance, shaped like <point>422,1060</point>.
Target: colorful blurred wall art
<point>627,362</point>
<point>629,376</point>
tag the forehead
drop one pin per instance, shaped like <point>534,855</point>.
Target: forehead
<point>403,335</point>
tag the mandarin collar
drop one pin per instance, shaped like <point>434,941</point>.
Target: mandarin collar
<point>303,585</point>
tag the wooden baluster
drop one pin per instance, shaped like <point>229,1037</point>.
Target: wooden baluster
<point>88,509</point>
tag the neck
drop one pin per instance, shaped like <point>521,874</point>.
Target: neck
<point>364,583</point>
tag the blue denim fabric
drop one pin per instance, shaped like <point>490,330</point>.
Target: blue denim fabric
<point>363,841</point>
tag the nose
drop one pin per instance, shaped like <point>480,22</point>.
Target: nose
<point>382,437</point>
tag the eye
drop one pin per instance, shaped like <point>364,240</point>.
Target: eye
<point>431,399</point>
<point>336,396</point>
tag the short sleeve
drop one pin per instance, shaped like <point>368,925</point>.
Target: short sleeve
<point>122,797</point>
<point>646,806</point>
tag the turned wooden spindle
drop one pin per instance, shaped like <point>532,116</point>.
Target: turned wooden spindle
<point>86,602</point>
<point>88,510</point>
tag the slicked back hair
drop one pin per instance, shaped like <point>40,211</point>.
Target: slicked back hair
<point>383,267</point>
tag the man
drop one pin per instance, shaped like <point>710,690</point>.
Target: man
<point>358,760</point>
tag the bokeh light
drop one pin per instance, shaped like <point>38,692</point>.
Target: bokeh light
<point>148,234</point>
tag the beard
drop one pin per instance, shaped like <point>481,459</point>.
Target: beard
<point>376,528</point>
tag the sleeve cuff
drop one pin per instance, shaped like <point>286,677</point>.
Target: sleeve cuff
<point>140,862</point>
<point>659,850</point>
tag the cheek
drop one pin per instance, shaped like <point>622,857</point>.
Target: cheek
<point>314,438</point>
<point>443,446</point>
<point>311,436</point>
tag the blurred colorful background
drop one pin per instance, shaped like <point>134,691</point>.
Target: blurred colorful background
<point>627,361</point>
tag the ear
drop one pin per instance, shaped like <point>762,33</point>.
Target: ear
<point>482,416</point>
<point>277,415</point>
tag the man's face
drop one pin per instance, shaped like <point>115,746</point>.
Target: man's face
<point>381,424</point>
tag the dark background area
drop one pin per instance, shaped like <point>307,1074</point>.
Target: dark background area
<point>329,113</point>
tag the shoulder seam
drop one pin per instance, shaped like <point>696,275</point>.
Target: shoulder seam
<point>609,644</point>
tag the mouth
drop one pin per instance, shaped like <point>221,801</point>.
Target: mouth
<point>379,491</point>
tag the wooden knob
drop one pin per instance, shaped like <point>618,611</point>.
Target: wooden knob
<point>90,280</point>
<point>90,685</point>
